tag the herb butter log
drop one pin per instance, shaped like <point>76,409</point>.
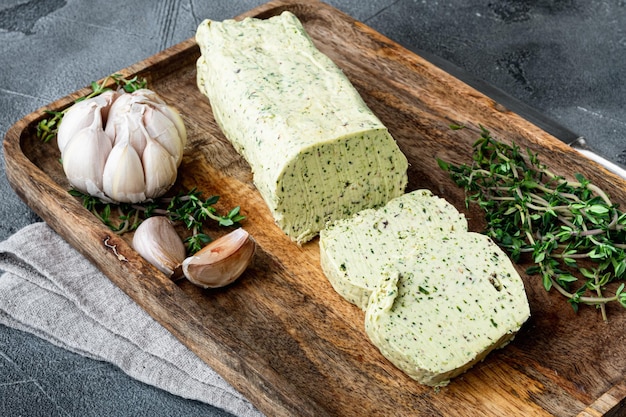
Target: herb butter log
<point>353,250</point>
<point>317,152</point>
<point>440,310</point>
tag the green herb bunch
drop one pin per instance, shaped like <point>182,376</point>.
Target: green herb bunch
<point>574,234</point>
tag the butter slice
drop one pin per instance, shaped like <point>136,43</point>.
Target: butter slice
<point>317,152</point>
<point>353,251</point>
<point>442,309</point>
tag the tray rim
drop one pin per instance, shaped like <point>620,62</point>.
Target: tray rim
<point>612,401</point>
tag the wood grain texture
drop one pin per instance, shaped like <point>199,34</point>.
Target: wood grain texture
<point>280,334</point>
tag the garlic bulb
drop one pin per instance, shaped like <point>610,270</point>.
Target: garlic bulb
<point>222,261</point>
<point>145,136</point>
<point>157,242</point>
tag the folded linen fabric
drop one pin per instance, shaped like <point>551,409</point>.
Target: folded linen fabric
<point>70,303</point>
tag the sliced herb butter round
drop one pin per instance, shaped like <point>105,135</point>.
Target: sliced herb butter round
<point>353,251</point>
<point>317,152</point>
<point>441,309</point>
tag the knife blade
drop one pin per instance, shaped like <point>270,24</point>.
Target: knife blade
<point>547,124</point>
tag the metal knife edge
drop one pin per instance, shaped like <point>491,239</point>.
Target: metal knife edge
<point>549,125</point>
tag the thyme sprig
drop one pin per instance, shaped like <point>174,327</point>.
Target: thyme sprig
<point>574,233</point>
<point>48,128</point>
<point>189,209</point>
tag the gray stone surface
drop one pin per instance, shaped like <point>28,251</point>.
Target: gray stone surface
<point>564,58</point>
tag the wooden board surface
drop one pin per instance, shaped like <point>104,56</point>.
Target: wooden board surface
<point>281,335</point>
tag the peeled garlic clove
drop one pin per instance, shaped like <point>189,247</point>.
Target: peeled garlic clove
<point>157,242</point>
<point>160,169</point>
<point>123,177</point>
<point>222,261</point>
<point>85,157</point>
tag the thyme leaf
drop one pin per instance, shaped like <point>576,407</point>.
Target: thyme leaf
<point>571,230</point>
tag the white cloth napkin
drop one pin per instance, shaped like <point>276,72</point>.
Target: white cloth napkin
<point>52,291</point>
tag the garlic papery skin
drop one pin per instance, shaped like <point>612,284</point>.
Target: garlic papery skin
<point>147,138</point>
<point>157,241</point>
<point>222,261</point>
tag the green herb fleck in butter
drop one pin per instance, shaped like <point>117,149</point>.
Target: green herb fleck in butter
<point>316,150</point>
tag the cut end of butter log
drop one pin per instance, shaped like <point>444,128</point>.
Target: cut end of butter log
<point>437,298</point>
<point>317,152</point>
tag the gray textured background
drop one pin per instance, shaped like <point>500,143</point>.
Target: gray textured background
<point>564,58</point>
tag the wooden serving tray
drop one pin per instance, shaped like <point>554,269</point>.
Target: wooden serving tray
<point>280,334</point>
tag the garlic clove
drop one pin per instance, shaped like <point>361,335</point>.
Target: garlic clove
<point>163,130</point>
<point>137,134</point>
<point>120,107</point>
<point>123,176</point>
<point>157,242</point>
<point>222,261</point>
<point>106,100</point>
<point>176,118</point>
<point>85,156</point>
<point>77,118</point>
<point>159,167</point>
<point>153,100</point>
<point>81,115</point>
